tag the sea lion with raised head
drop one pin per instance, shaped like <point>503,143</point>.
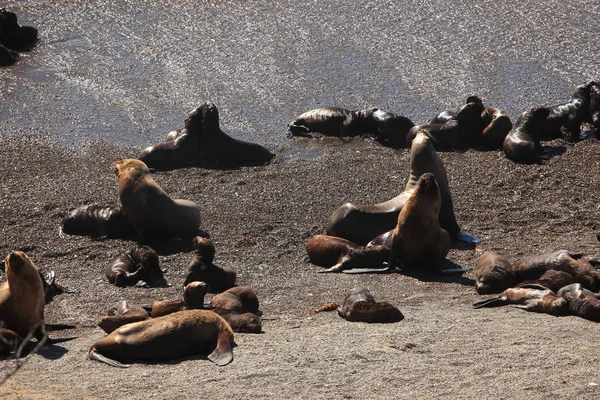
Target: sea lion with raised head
<point>362,223</point>
<point>360,306</point>
<point>494,273</point>
<point>193,299</point>
<point>202,268</point>
<point>122,313</point>
<point>582,302</point>
<point>97,221</point>
<point>170,337</point>
<point>152,212</point>
<point>418,241</point>
<point>337,254</point>
<point>139,263</point>
<point>22,303</point>
<point>14,36</point>
<point>535,298</point>
<point>522,144</point>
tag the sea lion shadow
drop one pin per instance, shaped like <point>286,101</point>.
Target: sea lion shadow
<point>52,352</point>
<point>440,277</point>
<point>551,151</point>
<point>460,245</point>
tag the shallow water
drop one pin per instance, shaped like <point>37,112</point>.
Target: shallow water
<point>128,73</point>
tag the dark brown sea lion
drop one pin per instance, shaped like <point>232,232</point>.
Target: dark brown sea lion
<point>153,214</point>
<point>120,314</point>
<point>6,57</point>
<point>532,268</point>
<point>390,129</point>
<point>459,132</point>
<point>582,302</point>
<point>173,336</point>
<point>497,125</point>
<point>139,263</point>
<point>240,299</point>
<point>97,221</point>
<point>193,299</point>
<point>14,36</point>
<point>176,152</point>
<point>419,242</point>
<point>494,273</point>
<point>217,148</point>
<point>360,305</point>
<point>202,268</point>
<point>522,144</point>
<point>362,223</point>
<point>595,105</point>
<point>337,254</point>
<point>22,302</point>
<point>552,279</point>
<point>534,298</point>
<point>244,322</point>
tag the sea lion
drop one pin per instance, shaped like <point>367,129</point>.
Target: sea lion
<point>362,223</point>
<point>522,144</point>
<point>552,279</point>
<point>139,263</point>
<point>360,306</point>
<point>120,314</point>
<point>244,322</point>
<point>595,105</point>
<point>22,302</point>
<point>193,299</point>
<point>419,242</point>
<point>494,273</point>
<point>240,299</point>
<point>14,36</point>
<point>337,254</point>
<point>534,298</point>
<point>497,125</point>
<point>97,221</point>
<point>202,268</point>
<point>177,151</point>
<point>459,132</point>
<point>151,211</point>
<point>532,268</point>
<point>215,148</point>
<point>390,129</point>
<point>582,302</point>
<point>173,336</point>
<point>6,57</point>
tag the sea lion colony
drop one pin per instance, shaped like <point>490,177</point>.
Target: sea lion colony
<point>410,233</point>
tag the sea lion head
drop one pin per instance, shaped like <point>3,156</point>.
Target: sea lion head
<point>130,165</point>
<point>210,117</point>
<point>205,248</point>
<point>194,292</point>
<point>18,264</point>
<point>149,259</point>
<point>427,186</point>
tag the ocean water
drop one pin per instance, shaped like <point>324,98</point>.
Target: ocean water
<point>128,72</point>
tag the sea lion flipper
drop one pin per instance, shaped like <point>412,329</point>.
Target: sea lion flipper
<point>533,286</point>
<point>493,302</point>
<point>336,268</point>
<point>466,237</point>
<point>222,355</point>
<point>60,339</point>
<point>94,355</point>
<point>385,270</point>
<point>452,271</point>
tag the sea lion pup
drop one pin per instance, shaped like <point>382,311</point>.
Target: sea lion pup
<point>139,263</point>
<point>360,306</point>
<point>337,254</point>
<point>202,268</point>
<point>120,314</point>
<point>362,223</point>
<point>522,144</point>
<point>532,268</point>
<point>418,241</point>
<point>179,151</point>
<point>494,273</point>
<point>22,301</point>
<point>582,302</point>
<point>534,298</point>
<point>193,299</point>
<point>459,132</point>
<point>595,105</point>
<point>497,125</point>
<point>332,121</point>
<point>96,221</point>
<point>244,322</point>
<point>151,211</point>
<point>14,36</point>
<point>390,129</point>
<point>170,337</point>
<point>217,148</point>
<point>240,299</point>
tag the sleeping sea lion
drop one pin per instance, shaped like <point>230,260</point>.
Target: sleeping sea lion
<point>139,263</point>
<point>494,273</point>
<point>193,299</point>
<point>582,302</point>
<point>97,221</point>
<point>173,336</point>
<point>120,314</point>
<point>534,298</point>
<point>240,299</point>
<point>153,214</point>
<point>360,305</point>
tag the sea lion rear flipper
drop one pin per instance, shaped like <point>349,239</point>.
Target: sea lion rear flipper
<point>466,237</point>
<point>452,271</point>
<point>60,339</point>
<point>385,270</point>
<point>336,268</point>
<point>533,286</point>
<point>222,355</point>
<point>94,355</point>
<point>494,302</point>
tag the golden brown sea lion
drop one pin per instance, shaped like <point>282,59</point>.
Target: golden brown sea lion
<point>419,242</point>
<point>202,268</point>
<point>22,301</point>
<point>337,254</point>
<point>122,313</point>
<point>362,223</point>
<point>152,212</point>
<point>534,298</point>
<point>193,299</point>
<point>494,273</point>
<point>173,336</point>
